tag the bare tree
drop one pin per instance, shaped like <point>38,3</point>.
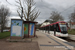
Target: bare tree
<point>4,12</point>
<point>55,16</point>
<point>27,10</point>
<point>72,17</point>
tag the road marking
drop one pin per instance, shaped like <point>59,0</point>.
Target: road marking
<point>59,38</point>
<point>60,44</point>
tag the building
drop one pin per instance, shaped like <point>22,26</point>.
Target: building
<point>46,22</point>
<point>71,25</point>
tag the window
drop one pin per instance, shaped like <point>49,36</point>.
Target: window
<point>57,28</point>
<point>63,27</point>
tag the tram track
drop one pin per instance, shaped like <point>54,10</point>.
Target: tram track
<point>67,39</point>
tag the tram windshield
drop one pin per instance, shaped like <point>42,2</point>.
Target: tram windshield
<point>63,27</point>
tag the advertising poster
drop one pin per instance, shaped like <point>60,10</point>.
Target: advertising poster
<point>16,27</point>
<point>31,27</point>
<point>25,28</point>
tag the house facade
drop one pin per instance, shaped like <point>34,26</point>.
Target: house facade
<point>45,23</point>
<point>71,25</point>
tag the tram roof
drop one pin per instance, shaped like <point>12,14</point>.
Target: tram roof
<point>54,23</point>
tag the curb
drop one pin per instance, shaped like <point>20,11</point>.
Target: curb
<point>55,37</point>
<point>59,38</point>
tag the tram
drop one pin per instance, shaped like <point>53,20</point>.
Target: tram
<point>59,29</point>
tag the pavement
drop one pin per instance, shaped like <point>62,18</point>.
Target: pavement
<point>43,41</point>
<point>49,42</point>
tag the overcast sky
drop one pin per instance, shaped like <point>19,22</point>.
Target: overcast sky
<point>65,7</point>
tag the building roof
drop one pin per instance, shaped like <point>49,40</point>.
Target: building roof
<point>50,21</point>
<point>72,23</point>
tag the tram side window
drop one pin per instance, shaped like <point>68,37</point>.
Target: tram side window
<point>44,28</point>
<point>51,27</point>
<point>40,28</point>
<point>47,28</point>
<point>57,28</point>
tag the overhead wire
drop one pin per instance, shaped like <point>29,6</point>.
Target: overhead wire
<point>64,9</point>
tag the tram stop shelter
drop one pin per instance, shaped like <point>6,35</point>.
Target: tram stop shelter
<point>22,29</point>
<point>29,29</point>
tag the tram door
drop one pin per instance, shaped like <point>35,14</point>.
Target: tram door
<point>54,29</point>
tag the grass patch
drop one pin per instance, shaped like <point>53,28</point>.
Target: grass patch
<point>4,35</point>
<point>72,31</point>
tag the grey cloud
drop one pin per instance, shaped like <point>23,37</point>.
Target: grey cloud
<point>45,10</point>
<point>66,14</point>
<point>47,6</point>
<point>13,13</point>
